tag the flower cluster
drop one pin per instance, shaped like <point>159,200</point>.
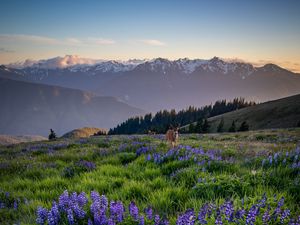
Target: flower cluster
<point>185,153</point>
<point>288,159</point>
<point>72,209</point>
<point>86,165</point>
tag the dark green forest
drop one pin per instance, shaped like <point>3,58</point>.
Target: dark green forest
<point>162,120</point>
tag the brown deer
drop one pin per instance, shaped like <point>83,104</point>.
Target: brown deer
<point>172,136</point>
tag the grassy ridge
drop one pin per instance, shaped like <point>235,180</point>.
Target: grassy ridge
<point>35,174</point>
<point>281,113</point>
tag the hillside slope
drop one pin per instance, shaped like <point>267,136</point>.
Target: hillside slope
<point>281,113</point>
<point>29,108</point>
<point>83,132</point>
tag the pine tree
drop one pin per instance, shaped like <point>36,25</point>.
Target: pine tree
<point>220,126</point>
<point>232,128</point>
<point>199,125</point>
<point>205,127</point>
<point>191,128</point>
<point>244,126</point>
<point>52,135</point>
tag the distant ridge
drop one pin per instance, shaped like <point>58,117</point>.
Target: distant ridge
<point>32,109</point>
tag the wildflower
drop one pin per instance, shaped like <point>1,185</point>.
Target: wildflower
<point>141,220</point>
<point>53,215</point>
<point>70,216</point>
<point>110,222</point>
<point>284,215</point>
<point>156,219</point>
<point>41,215</point>
<point>117,211</point>
<point>266,216</point>
<point>251,216</point>
<point>149,213</point>
<point>134,211</point>
<point>202,214</point>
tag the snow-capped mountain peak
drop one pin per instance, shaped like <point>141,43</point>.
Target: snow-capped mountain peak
<point>75,64</point>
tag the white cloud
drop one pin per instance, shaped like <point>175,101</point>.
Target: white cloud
<point>153,42</point>
<point>91,41</point>
<point>28,38</point>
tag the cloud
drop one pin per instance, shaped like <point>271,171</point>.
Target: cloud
<point>153,42</point>
<point>4,50</point>
<point>90,41</point>
<point>28,38</point>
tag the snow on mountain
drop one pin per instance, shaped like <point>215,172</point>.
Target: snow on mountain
<point>74,63</point>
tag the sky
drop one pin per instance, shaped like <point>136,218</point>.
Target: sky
<point>254,31</point>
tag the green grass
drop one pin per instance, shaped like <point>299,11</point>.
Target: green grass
<point>38,172</point>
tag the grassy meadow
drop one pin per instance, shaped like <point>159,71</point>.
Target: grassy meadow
<point>240,178</point>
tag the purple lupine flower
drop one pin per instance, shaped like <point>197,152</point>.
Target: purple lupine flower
<point>266,216</point>
<point>219,220</point>
<point>103,201</point>
<point>228,210</point>
<point>202,214</point>
<point>165,222</point>
<point>284,215</point>
<point>141,220</point>
<point>111,222</point>
<point>281,202</point>
<point>240,213</point>
<point>63,201</point>
<point>41,215</point>
<point>251,216</point>
<point>79,212</point>
<point>148,157</point>
<point>149,213</point>
<point>156,219</point>
<point>134,211</point>
<point>100,217</point>
<point>15,205</point>
<point>53,215</point>
<point>82,199</point>
<point>188,218</point>
<point>70,216</point>
<point>95,196</point>
<point>270,159</point>
<point>90,222</point>
<point>117,211</point>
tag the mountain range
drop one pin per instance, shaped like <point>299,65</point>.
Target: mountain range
<point>65,93</point>
<point>160,83</point>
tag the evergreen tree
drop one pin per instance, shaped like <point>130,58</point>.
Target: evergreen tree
<point>244,126</point>
<point>206,126</point>
<point>199,126</point>
<point>232,128</point>
<point>191,128</point>
<point>220,126</point>
<point>52,135</point>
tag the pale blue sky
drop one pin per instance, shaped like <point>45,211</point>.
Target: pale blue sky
<point>255,31</point>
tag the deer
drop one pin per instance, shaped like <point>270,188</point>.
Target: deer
<point>172,136</point>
